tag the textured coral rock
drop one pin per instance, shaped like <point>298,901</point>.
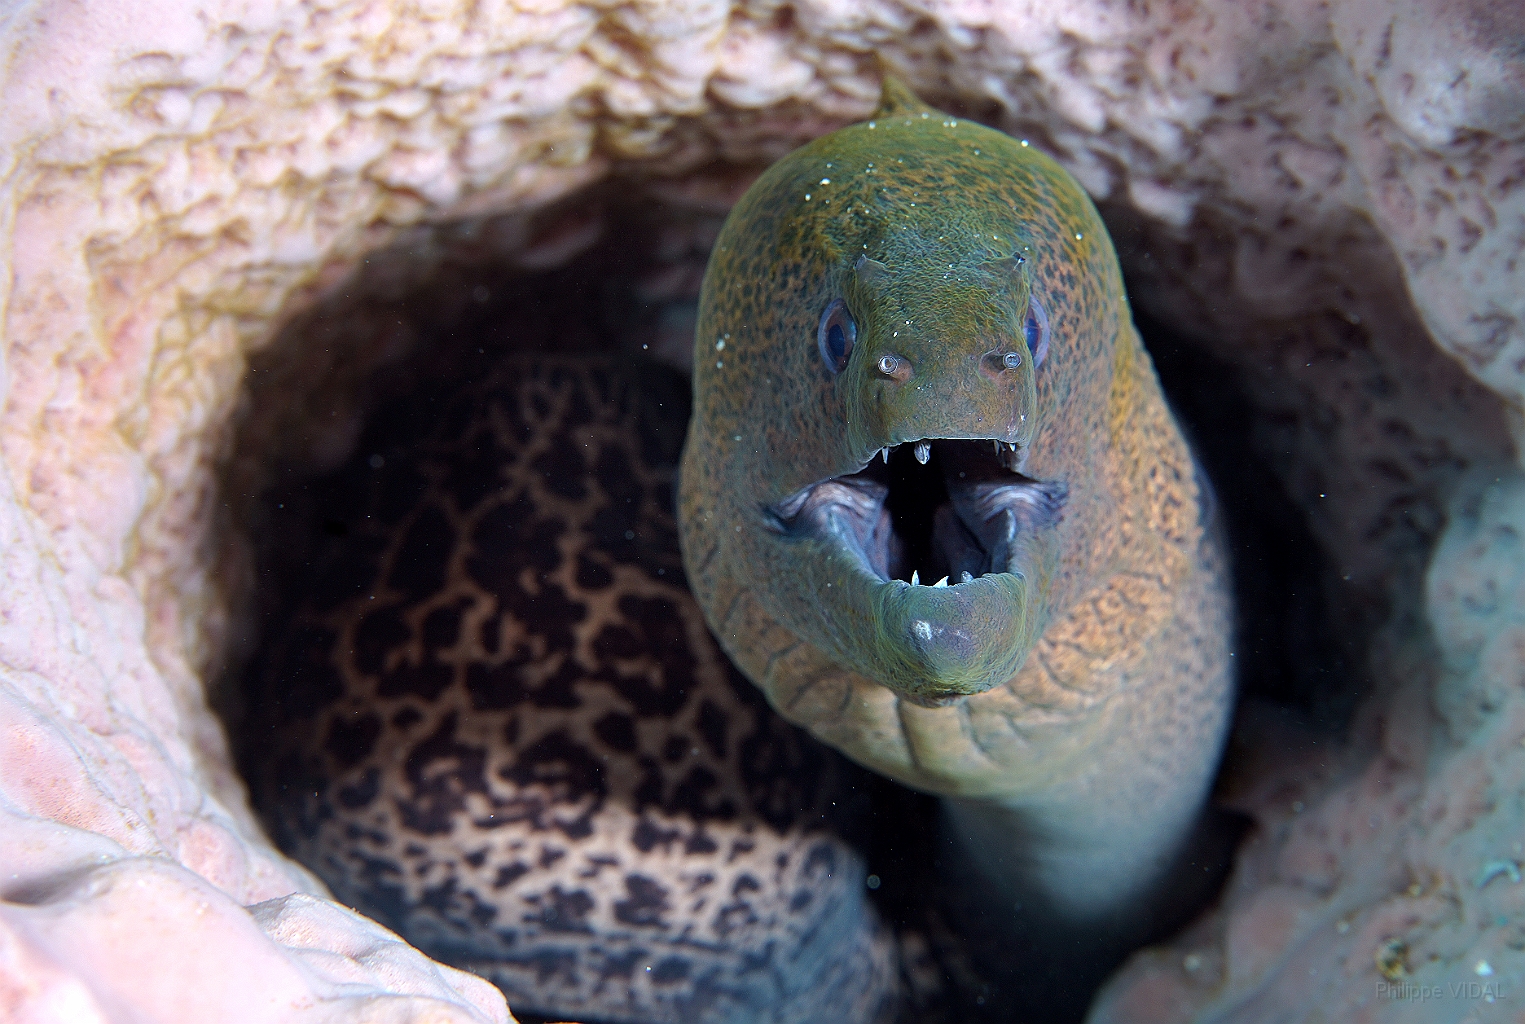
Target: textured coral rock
<point>1329,198</point>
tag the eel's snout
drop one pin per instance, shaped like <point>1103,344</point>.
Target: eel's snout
<point>943,387</point>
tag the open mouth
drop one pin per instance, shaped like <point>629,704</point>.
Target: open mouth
<point>934,512</point>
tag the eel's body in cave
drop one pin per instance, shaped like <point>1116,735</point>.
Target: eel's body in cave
<point>932,503</point>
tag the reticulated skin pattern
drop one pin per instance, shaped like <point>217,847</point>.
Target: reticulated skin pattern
<point>497,723</point>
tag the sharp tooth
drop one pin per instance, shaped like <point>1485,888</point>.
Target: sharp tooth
<point>915,578</point>
<point>1012,447</point>
<point>941,583</point>
<point>923,451</point>
<point>884,453</point>
<point>997,446</point>
<point>964,577</point>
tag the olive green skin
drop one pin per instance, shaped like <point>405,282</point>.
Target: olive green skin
<point>1094,701</point>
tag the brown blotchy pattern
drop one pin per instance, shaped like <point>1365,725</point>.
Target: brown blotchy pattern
<point>498,723</point>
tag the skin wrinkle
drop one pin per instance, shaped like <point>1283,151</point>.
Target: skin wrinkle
<point>907,734</point>
<point>967,722</point>
<point>773,658</point>
<point>725,619</point>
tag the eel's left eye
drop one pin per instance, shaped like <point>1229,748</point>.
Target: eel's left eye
<point>1037,331</point>
<point>836,335</point>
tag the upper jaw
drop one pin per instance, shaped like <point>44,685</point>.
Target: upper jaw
<point>974,525</point>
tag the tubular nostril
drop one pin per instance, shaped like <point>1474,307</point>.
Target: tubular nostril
<point>995,364</point>
<point>894,366</point>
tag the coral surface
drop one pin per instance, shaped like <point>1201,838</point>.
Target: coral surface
<point>1327,197</point>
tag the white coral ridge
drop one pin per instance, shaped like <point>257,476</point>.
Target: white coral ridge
<point>178,175</point>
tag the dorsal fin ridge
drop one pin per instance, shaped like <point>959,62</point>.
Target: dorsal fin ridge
<point>895,97</point>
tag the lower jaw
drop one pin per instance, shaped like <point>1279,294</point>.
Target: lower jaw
<point>930,645</point>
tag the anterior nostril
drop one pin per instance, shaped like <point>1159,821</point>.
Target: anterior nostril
<point>895,367</point>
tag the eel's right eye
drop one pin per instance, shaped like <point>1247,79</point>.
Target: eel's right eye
<point>1036,329</point>
<point>835,335</point>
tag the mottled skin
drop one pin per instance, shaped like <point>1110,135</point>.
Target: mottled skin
<point>1072,709</point>
<point>497,723</point>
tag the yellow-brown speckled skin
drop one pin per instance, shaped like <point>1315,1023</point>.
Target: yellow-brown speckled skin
<point>1109,718</point>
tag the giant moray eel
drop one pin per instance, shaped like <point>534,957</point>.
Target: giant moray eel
<point>933,503</point>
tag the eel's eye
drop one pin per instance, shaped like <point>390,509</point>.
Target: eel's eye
<point>836,335</point>
<point>1037,331</point>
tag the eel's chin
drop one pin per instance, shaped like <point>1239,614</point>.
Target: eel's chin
<point>929,540</point>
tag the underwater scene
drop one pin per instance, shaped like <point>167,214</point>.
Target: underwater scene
<point>690,513</point>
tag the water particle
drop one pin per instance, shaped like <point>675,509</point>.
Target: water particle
<point>719,365</point>
<point>1078,236</point>
<point>825,181</point>
<point>1495,868</point>
<point>807,197</point>
<point>1024,143</point>
<point>720,345</point>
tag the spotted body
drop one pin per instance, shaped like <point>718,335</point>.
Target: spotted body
<point>915,364</point>
<point>498,724</point>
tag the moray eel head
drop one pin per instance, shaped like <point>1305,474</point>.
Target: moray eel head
<point>930,346</point>
<point>874,383</point>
